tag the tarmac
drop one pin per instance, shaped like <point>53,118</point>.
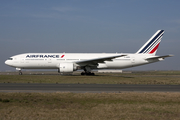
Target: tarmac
<point>85,88</point>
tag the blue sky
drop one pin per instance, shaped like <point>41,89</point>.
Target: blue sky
<point>89,26</point>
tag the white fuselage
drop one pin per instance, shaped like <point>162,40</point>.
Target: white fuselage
<point>53,60</point>
<point>69,62</point>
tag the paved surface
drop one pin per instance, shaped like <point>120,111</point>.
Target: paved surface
<point>83,88</point>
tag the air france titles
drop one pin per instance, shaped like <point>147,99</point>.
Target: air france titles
<point>42,56</point>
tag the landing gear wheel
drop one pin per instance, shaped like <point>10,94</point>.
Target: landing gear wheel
<point>20,73</point>
<point>85,73</point>
<point>82,73</point>
<point>90,73</point>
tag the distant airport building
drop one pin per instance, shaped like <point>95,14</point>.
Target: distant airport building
<point>110,71</point>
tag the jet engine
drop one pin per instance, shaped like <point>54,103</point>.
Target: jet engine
<point>67,67</point>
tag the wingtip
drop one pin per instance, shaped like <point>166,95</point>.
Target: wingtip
<point>171,55</point>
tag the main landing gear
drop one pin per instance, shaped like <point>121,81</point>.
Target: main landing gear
<point>87,71</point>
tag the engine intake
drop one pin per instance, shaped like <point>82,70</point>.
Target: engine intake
<point>66,67</point>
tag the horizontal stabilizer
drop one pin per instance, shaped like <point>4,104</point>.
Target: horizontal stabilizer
<point>157,57</point>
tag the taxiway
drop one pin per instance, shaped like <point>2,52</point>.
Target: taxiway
<point>83,88</point>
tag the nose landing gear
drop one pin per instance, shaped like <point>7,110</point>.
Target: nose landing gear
<point>19,69</point>
<point>20,72</point>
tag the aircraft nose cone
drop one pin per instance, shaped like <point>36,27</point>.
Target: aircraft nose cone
<point>6,62</point>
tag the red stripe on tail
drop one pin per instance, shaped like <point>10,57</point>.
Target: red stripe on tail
<point>152,51</point>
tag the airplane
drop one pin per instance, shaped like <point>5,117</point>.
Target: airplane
<point>69,62</point>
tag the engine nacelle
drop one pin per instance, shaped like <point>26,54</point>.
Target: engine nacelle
<point>66,67</point>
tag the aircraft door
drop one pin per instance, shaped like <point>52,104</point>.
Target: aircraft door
<point>132,59</point>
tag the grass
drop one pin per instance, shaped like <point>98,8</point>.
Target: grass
<point>151,77</point>
<point>88,106</point>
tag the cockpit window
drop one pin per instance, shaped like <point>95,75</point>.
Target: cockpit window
<point>10,58</point>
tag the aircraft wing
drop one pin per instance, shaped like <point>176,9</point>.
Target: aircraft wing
<point>94,62</point>
<point>157,57</point>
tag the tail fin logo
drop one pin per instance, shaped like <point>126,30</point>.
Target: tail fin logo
<point>151,46</point>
